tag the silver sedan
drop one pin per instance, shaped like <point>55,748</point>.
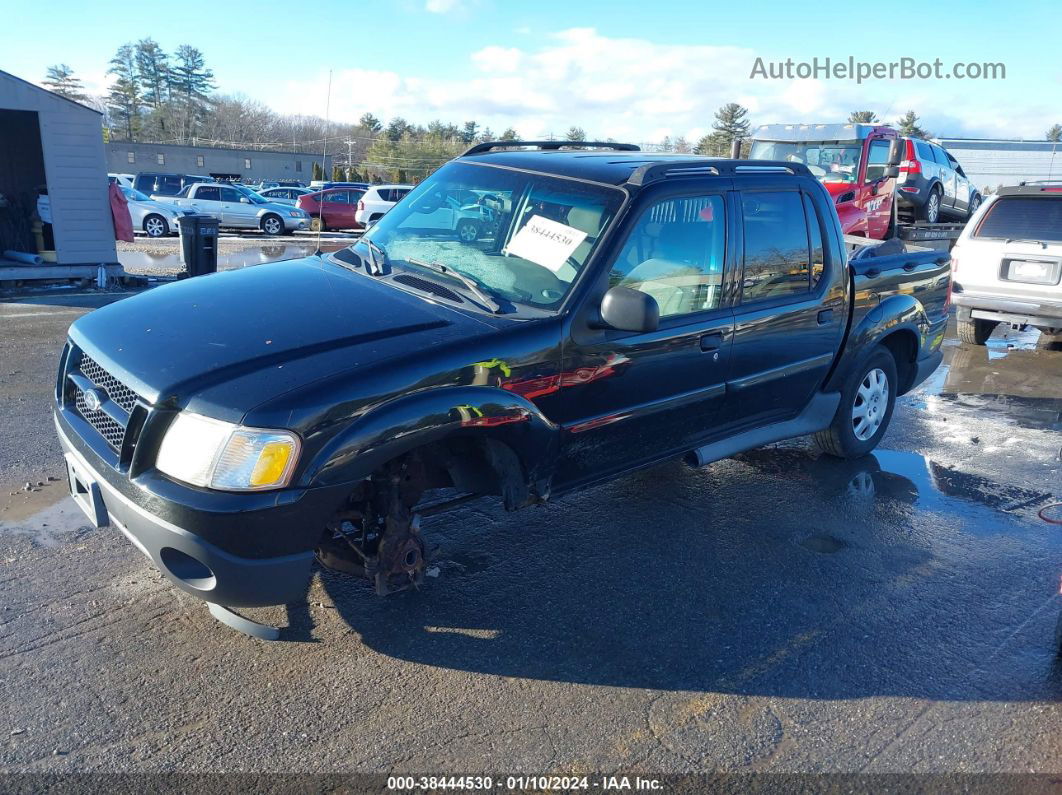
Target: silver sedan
<point>153,218</point>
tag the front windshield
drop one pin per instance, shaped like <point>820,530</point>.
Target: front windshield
<point>522,237</point>
<point>830,161</point>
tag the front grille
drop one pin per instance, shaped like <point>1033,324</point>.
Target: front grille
<point>110,424</point>
<point>109,429</point>
<point>429,287</point>
<point>115,389</point>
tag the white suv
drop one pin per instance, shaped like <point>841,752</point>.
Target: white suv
<point>1007,264</point>
<point>378,199</point>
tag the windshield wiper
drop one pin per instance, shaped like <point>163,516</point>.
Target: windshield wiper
<point>375,268</point>
<point>473,286</point>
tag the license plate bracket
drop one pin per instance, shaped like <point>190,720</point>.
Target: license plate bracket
<point>86,492</point>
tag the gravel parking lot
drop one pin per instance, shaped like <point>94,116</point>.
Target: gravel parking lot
<point>775,612</point>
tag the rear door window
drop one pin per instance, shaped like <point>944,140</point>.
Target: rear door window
<point>777,255</point>
<point>1023,218</point>
<point>209,193</point>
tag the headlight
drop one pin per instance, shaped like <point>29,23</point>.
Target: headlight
<point>206,452</point>
<point>297,213</point>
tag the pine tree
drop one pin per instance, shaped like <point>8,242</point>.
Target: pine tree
<point>509,135</point>
<point>153,71</point>
<point>353,175</point>
<point>337,173</point>
<point>316,172</point>
<point>60,80</point>
<point>575,134</point>
<point>908,126</point>
<point>862,117</point>
<point>396,128</point>
<point>682,146</point>
<point>1054,133</point>
<point>190,87</point>
<point>731,124</point>
<point>124,102</point>
<point>469,132</point>
<point>370,123</point>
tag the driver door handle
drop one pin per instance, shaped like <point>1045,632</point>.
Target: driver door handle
<point>712,341</point>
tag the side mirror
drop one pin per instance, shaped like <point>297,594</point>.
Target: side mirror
<point>630,310</point>
<point>897,148</point>
<point>891,172</point>
<point>244,200</point>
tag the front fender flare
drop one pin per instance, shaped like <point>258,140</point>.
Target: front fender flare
<point>401,425</point>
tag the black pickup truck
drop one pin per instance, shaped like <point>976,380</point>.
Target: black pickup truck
<point>619,309</point>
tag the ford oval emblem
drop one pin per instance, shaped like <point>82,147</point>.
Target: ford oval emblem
<point>93,399</point>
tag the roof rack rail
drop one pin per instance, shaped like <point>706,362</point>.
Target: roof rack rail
<point>1041,182</point>
<point>490,146</point>
<point>715,166</point>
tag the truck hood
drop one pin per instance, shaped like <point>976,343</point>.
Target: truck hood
<point>835,189</point>
<point>263,330</point>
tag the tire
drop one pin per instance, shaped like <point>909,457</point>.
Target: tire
<point>865,410</point>
<point>316,225</point>
<point>975,203</point>
<point>976,331</point>
<point>467,231</point>
<point>1050,339</point>
<point>273,225</point>
<point>930,211</point>
<point>156,226</point>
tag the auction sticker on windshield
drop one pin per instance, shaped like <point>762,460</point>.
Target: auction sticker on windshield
<point>545,242</point>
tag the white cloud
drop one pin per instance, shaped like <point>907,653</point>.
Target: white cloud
<point>632,89</point>
<point>441,6</point>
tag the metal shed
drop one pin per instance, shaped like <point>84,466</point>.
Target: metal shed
<point>52,142</point>
<point>993,162</point>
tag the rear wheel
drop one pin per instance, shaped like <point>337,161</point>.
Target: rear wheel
<point>467,231</point>
<point>931,210</point>
<point>1050,338</point>
<point>273,225</point>
<point>156,226</point>
<point>865,409</point>
<point>976,331</point>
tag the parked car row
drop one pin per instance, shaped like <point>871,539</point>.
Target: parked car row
<point>238,206</point>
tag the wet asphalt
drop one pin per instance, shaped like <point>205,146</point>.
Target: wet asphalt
<point>775,612</point>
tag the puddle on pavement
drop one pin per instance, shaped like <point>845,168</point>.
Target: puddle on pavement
<point>1010,377</point>
<point>227,260</point>
<point>897,476</point>
<point>47,517</point>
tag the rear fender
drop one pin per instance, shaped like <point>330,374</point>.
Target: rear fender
<point>399,426</point>
<point>897,313</point>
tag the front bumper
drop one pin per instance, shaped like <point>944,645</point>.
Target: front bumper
<point>193,564</point>
<point>1007,310</point>
<point>293,224</point>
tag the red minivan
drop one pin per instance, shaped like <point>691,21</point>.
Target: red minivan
<point>332,208</point>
